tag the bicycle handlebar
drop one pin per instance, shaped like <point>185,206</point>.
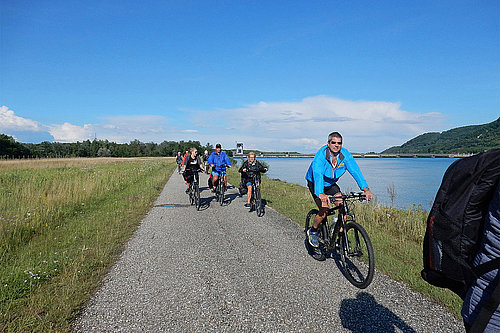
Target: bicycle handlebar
<point>361,196</point>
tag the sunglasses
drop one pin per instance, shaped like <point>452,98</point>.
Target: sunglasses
<point>336,143</point>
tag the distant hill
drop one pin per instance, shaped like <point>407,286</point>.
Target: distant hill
<point>467,139</point>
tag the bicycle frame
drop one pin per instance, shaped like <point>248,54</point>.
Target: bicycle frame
<point>344,216</point>
<point>256,202</point>
<point>194,186</point>
<point>346,239</point>
<point>220,188</point>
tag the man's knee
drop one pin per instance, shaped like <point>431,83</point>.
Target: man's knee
<point>323,211</point>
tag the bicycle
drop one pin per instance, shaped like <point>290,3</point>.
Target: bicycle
<point>194,191</point>
<point>220,189</point>
<point>255,200</point>
<point>347,239</point>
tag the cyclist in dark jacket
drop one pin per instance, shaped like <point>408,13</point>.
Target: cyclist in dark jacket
<point>249,168</point>
<point>192,163</point>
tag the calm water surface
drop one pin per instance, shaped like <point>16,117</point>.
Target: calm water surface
<point>415,180</point>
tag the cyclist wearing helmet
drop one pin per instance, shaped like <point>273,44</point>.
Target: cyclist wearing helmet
<point>205,160</point>
<point>178,159</point>
<point>329,164</point>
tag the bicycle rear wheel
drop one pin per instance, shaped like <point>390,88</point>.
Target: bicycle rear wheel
<point>318,253</point>
<point>359,257</point>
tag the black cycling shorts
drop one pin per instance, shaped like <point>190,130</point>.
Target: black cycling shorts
<point>329,190</point>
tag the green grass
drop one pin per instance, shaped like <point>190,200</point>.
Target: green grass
<point>61,228</point>
<point>63,223</point>
<point>396,235</point>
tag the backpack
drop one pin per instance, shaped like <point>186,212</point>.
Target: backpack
<point>210,181</point>
<point>242,188</point>
<point>455,222</point>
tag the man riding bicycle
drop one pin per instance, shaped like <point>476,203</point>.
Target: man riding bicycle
<point>217,160</point>
<point>192,164</point>
<point>329,164</point>
<point>250,167</point>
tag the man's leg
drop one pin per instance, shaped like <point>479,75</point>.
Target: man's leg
<point>214,181</point>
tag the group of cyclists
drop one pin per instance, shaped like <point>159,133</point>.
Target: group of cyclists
<point>329,164</point>
<point>190,164</point>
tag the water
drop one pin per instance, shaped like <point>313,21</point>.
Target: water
<point>415,180</point>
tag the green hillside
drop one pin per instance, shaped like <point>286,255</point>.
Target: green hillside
<point>467,139</point>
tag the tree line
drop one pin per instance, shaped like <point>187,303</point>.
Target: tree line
<point>10,148</point>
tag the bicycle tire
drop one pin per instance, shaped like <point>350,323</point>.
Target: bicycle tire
<point>197,199</point>
<point>321,252</point>
<point>191,196</point>
<point>221,191</point>
<point>359,256</point>
<point>258,202</point>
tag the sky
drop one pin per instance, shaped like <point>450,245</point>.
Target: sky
<point>274,75</point>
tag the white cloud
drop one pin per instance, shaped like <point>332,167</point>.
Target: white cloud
<point>71,133</point>
<point>301,126</point>
<point>10,122</point>
<point>305,125</point>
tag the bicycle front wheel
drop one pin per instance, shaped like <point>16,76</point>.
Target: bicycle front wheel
<point>221,192</point>
<point>258,202</point>
<point>359,257</point>
<point>197,200</point>
<point>191,196</point>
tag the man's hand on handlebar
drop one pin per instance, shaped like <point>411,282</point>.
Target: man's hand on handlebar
<point>368,194</point>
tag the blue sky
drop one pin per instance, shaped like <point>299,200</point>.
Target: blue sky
<point>275,75</point>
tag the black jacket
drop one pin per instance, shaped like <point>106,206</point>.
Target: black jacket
<point>251,169</point>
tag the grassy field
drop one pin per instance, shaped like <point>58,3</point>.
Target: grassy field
<point>63,222</point>
<point>396,234</point>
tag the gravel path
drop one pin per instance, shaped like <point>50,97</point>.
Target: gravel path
<point>223,269</point>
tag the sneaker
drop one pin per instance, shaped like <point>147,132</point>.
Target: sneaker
<point>313,238</point>
<point>247,205</point>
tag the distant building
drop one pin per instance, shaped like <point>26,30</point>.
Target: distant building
<point>239,148</point>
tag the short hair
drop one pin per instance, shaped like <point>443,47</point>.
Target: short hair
<point>192,149</point>
<point>252,153</point>
<point>334,135</point>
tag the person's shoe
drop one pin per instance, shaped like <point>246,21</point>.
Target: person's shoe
<point>313,238</point>
<point>247,205</point>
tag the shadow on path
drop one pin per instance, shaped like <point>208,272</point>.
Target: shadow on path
<point>364,314</point>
